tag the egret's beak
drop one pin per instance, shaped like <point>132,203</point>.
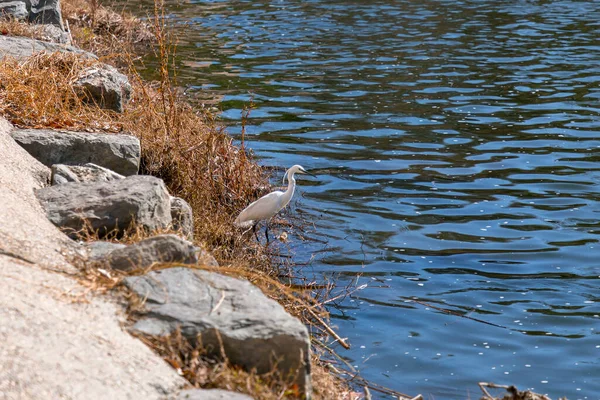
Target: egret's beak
<point>308,173</point>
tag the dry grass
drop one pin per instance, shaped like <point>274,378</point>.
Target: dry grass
<point>103,31</point>
<point>10,26</point>
<point>203,371</point>
<point>38,93</point>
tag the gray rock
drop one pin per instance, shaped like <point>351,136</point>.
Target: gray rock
<point>108,206</point>
<point>89,172</point>
<point>182,216</point>
<point>20,47</point>
<point>157,249</point>
<point>119,153</point>
<point>254,330</point>
<point>14,9</point>
<point>46,12</point>
<point>99,250</point>
<point>211,394</point>
<point>52,33</point>
<point>105,86</point>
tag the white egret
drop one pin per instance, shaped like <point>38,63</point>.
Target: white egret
<point>270,204</point>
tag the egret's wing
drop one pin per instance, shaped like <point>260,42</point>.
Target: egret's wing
<point>263,208</point>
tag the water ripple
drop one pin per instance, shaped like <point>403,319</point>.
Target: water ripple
<point>457,149</point>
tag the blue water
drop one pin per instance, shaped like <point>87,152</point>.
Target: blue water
<point>457,147</point>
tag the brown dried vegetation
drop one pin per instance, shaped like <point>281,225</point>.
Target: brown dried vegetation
<point>103,31</point>
<point>10,26</point>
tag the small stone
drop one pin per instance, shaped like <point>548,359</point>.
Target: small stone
<point>53,34</point>
<point>99,250</point>
<point>182,216</point>
<point>46,12</point>
<point>105,86</point>
<point>14,9</point>
<point>21,48</point>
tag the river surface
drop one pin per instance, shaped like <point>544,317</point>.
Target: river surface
<point>457,147</point>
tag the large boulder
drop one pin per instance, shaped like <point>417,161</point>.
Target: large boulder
<point>106,207</point>
<point>254,331</point>
<point>157,249</point>
<point>211,394</point>
<point>89,172</point>
<point>21,48</point>
<point>182,216</point>
<point>104,86</point>
<point>119,153</point>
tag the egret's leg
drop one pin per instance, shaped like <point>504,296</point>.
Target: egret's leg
<point>267,232</point>
<point>255,233</point>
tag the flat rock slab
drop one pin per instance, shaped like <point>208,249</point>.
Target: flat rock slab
<point>256,332</point>
<point>211,394</point>
<point>89,172</point>
<point>119,153</point>
<point>157,249</point>
<point>108,207</point>
<point>20,47</point>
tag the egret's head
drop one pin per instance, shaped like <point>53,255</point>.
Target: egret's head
<point>296,169</point>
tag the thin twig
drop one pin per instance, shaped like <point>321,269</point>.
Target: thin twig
<point>328,329</point>
<point>218,303</point>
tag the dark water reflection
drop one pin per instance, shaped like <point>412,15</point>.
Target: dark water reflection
<point>457,145</point>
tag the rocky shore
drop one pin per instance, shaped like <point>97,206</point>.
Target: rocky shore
<point>63,340</point>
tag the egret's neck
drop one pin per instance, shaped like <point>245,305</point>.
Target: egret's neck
<point>290,190</point>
